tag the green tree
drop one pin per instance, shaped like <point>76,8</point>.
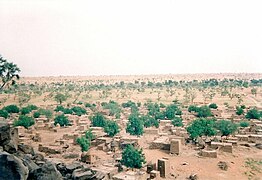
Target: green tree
<point>111,128</point>
<point>204,111</point>
<point>4,113</point>
<point>244,124</point>
<point>12,108</point>
<point>98,120</point>
<point>201,127</point>
<point>84,143</point>
<point>177,121</point>
<point>8,72</point>
<point>254,91</point>
<point>226,127</point>
<point>253,114</point>
<point>132,157</point>
<point>213,106</point>
<point>135,125</point>
<point>150,121</point>
<point>239,110</point>
<point>62,120</point>
<point>25,121</point>
<point>59,97</point>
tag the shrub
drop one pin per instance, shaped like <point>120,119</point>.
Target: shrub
<point>88,105</point>
<point>62,120</point>
<point>59,108</point>
<point>25,121</point>
<point>201,127</point>
<point>213,106</point>
<point>133,158</point>
<point>204,111</point>
<point>32,107</point>
<point>4,113</point>
<point>177,122</point>
<point>68,111</point>
<point>239,110</point>
<point>150,121</point>
<point>36,114</point>
<point>98,120</point>
<point>244,124</point>
<point>226,127</point>
<point>111,128</point>
<point>192,108</point>
<point>78,110</point>
<point>84,143</point>
<point>12,108</point>
<point>135,125</point>
<point>25,110</point>
<point>253,114</point>
<point>46,112</point>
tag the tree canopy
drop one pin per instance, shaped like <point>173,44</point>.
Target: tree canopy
<point>132,157</point>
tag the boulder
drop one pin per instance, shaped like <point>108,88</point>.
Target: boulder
<point>46,172</point>
<point>4,133</point>
<point>26,149</point>
<point>82,174</point>
<point>11,167</point>
<point>73,166</point>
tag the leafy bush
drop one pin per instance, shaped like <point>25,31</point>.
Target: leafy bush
<point>59,108</point>
<point>128,104</point>
<point>88,105</point>
<point>25,121</point>
<point>226,127</point>
<point>172,110</point>
<point>239,110</point>
<point>12,108</point>
<point>78,110</point>
<point>36,114</point>
<point>67,111</point>
<point>253,114</point>
<point>32,107</point>
<point>177,122</point>
<point>62,120</point>
<point>244,124</point>
<point>213,106</point>
<point>133,158</point>
<point>25,111</point>
<point>192,108</point>
<point>204,111</point>
<point>150,121</point>
<point>111,128</point>
<point>98,120</point>
<point>46,112</point>
<point>201,127</point>
<point>84,143</point>
<point>135,125</point>
<point>4,113</point>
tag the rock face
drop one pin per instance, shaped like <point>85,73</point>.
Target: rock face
<point>47,172</point>
<point>8,137</point>
<point>12,168</point>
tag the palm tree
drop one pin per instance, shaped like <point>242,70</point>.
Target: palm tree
<point>8,71</point>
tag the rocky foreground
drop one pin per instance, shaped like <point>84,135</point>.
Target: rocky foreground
<point>20,161</point>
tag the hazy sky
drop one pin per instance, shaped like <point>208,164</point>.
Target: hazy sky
<point>51,37</point>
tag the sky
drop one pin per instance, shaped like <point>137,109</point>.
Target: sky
<point>126,37</point>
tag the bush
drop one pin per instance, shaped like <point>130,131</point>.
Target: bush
<point>132,157</point>
<point>201,127</point>
<point>12,108</point>
<point>98,120</point>
<point>192,108</point>
<point>150,121</point>
<point>62,120</point>
<point>177,122</point>
<point>239,110</point>
<point>111,128</point>
<point>88,105</point>
<point>32,107</point>
<point>253,114</point>
<point>46,112</point>
<point>244,124</point>
<point>226,127</point>
<point>84,143</point>
<point>25,110</point>
<point>59,108</point>
<point>24,121</point>
<point>4,114</point>
<point>79,111</point>
<point>204,111</point>
<point>213,106</point>
<point>135,125</point>
<point>36,114</point>
<point>67,111</point>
